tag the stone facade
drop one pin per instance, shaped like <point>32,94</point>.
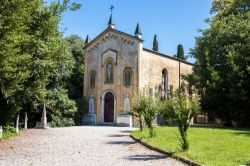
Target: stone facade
<point>117,64</point>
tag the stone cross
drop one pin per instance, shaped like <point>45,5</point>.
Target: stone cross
<point>26,121</point>
<point>1,132</point>
<point>111,8</point>
<point>17,123</point>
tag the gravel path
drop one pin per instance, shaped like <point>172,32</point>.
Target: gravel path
<point>73,146</point>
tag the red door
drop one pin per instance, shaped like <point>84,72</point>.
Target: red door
<point>109,107</point>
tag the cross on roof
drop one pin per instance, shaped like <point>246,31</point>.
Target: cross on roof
<point>111,8</point>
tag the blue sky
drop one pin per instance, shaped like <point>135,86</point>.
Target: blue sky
<point>174,21</point>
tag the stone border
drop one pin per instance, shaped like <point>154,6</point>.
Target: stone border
<point>184,160</point>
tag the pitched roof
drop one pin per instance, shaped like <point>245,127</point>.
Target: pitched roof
<point>111,30</point>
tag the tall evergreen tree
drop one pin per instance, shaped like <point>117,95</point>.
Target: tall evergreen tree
<point>155,44</point>
<point>180,52</point>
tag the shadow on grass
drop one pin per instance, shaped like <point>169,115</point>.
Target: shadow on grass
<point>145,157</point>
<point>121,142</point>
<point>242,132</point>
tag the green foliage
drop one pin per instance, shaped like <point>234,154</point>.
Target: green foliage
<point>185,110</point>
<point>75,83</point>
<point>8,131</point>
<point>166,109</point>
<point>155,44</point>
<point>181,109</point>
<point>31,54</point>
<point>82,109</point>
<point>145,105</point>
<point>62,108</point>
<point>180,52</point>
<point>137,108</point>
<point>221,72</point>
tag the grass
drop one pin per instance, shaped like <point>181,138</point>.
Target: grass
<point>208,146</point>
<point>8,132</point>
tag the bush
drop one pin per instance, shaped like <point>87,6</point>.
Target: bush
<point>181,109</point>
<point>145,105</point>
<point>185,108</point>
<point>82,108</point>
<point>165,110</point>
<point>137,108</point>
<point>9,131</point>
<point>62,108</point>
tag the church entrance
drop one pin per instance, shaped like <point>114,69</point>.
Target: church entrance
<point>109,107</point>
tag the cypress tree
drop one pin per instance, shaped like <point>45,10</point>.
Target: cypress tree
<point>155,44</point>
<point>180,52</point>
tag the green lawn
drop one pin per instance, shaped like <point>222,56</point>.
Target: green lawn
<point>208,146</point>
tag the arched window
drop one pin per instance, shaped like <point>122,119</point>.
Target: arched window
<point>92,78</point>
<point>109,70</point>
<point>164,85</point>
<point>127,76</point>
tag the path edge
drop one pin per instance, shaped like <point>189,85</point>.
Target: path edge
<point>184,160</point>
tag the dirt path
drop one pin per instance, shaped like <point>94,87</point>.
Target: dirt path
<point>73,146</point>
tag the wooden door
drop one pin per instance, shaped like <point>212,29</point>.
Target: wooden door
<point>109,107</point>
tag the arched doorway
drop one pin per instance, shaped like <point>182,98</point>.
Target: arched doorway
<point>109,107</point>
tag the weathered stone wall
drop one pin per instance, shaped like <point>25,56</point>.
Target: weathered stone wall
<point>152,65</point>
<point>124,53</point>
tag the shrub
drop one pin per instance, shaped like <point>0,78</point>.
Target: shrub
<point>145,104</point>
<point>82,109</point>
<point>137,108</point>
<point>9,131</point>
<point>62,108</point>
<point>165,110</point>
<point>181,109</point>
<point>185,109</point>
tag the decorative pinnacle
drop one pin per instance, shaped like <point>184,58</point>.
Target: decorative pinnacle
<point>138,30</point>
<point>111,23</point>
<point>87,39</point>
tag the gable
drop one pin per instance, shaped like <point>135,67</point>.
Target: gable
<point>110,33</point>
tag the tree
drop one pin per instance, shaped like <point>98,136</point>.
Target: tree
<point>166,109</point>
<point>180,52</point>
<point>75,82</point>
<point>221,71</point>
<point>29,42</point>
<point>13,62</point>
<point>62,108</point>
<point>145,105</point>
<point>155,44</point>
<point>181,109</point>
<point>137,108</point>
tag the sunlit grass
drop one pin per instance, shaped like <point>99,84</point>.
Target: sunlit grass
<point>209,146</point>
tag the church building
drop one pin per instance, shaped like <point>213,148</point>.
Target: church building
<point>117,65</point>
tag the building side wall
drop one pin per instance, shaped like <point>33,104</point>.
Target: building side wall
<point>152,66</point>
